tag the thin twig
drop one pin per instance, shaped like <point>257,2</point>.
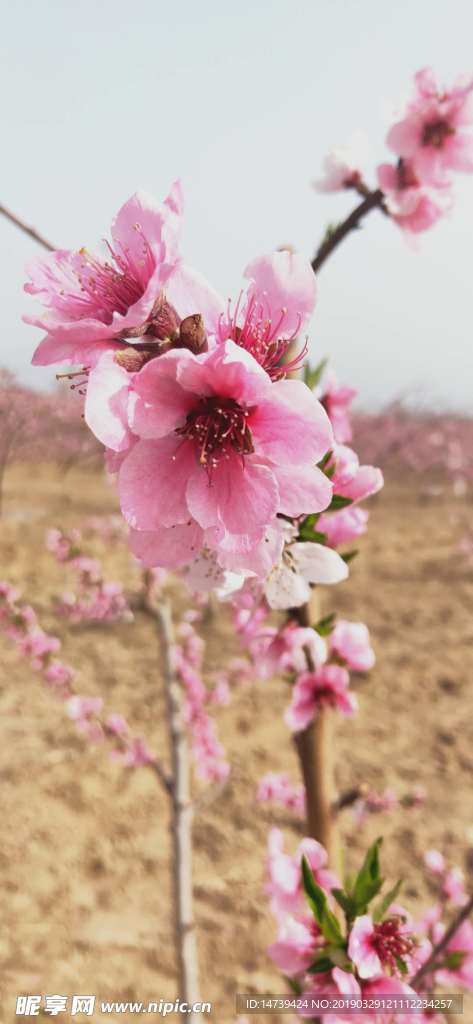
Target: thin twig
<point>182,816</point>
<point>443,943</point>
<point>27,229</point>
<point>372,201</point>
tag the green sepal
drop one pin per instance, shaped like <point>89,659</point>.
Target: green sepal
<point>454,960</point>
<point>348,556</point>
<point>321,966</point>
<point>339,501</point>
<point>313,376</point>
<point>307,527</point>
<point>294,984</point>
<point>325,626</point>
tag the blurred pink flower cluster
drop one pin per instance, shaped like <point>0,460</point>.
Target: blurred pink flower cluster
<point>209,754</point>
<point>97,599</point>
<point>20,623</point>
<point>431,139</point>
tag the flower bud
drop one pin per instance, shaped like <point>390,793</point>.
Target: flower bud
<point>192,334</point>
<point>163,322</point>
<point>131,359</point>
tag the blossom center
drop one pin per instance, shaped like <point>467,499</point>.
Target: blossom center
<point>111,286</point>
<point>260,336</point>
<point>390,943</point>
<point>218,426</point>
<point>436,133</point>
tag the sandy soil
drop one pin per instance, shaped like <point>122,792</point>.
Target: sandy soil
<point>84,851</point>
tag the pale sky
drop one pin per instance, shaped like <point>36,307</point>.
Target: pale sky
<point>241,100</point>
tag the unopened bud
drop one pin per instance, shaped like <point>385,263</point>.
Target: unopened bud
<point>192,334</point>
<point>131,359</point>
<point>163,321</point>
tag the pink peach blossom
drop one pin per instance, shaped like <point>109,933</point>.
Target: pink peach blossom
<point>333,984</point>
<point>221,447</point>
<point>413,206</point>
<point>432,133</point>
<point>461,943</point>
<point>351,480</point>
<point>374,948</point>
<point>337,400</point>
<point>342,167</point>
<point>275,309</point>
<point>296,945</point>
<point>302,564</point>
<point>328,687</point>
<point>350,641</point>
<point>284,650</point>
<point>344,526</point>
<point>285,876</point>
<point>94,303</point>
<point>275,787</point>
<point>386,986</point>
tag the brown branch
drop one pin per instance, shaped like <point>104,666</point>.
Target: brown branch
<point>26,228</point>
<point>315,747</point>
<point>182,816</point>
<point>439,948</point>
<point>372,201</point>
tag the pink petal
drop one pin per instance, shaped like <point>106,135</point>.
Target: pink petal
<point>142,218</point>
<point>161,403</point>
<point>302,490</point>
<point>189,293</point>
<point>227,371</point>
<point>360,950</point>
<point>291,426</point>
<point>153,481</point>
<point>367,481</point>
<point>244,497</point>
<point>106,403</point>
<point>403,138</point>
<point>283,281</point>
<point>167,548</point>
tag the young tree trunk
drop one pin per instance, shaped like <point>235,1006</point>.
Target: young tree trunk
<point>182,815</point>
<point>315,748</point>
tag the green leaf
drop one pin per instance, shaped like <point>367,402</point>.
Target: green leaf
<point>348,556</point>
<point>386,902</point>
<point>339,501</point>
<point>346,902</point>
<point>312,376</point>
<point>325,626</point>
<point>317,900</point>
<point>368,881</point>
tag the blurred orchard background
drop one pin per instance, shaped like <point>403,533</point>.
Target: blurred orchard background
<point>242,102</point>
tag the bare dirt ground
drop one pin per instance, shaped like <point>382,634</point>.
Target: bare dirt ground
<point>84,851</point>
